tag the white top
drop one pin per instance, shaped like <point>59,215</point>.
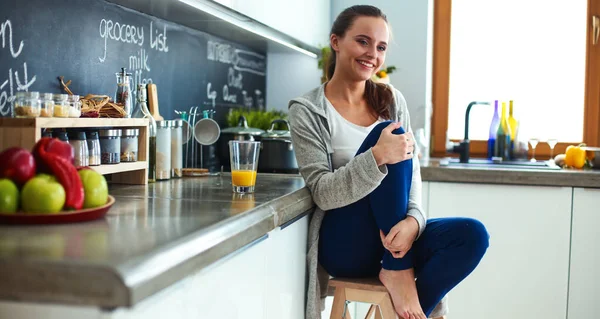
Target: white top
<point>346,137</point>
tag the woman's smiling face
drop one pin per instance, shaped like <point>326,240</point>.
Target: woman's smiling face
<point>361,51</point>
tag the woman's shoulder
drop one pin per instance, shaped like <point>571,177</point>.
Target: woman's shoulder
<point>399,104</point>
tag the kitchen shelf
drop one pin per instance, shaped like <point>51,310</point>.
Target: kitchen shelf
<point>25,132</point>
<point>121,167</point>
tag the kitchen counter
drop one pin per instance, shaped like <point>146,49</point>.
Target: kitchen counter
<point>152,237</point>
<point>435,171</point>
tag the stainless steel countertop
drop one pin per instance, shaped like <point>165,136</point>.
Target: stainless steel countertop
<point>152,237</point>
<point>434,172</point>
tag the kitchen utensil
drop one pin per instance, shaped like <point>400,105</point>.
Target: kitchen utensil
<point>593,153</point>
<point>206,131</point>
<point>192,124</point>
<point>58,218</point>
<point>239,133</point>
<point>277,151</point>
<point>153,101</point>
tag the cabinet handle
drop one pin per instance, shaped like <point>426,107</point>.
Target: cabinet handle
<point>595,29</point>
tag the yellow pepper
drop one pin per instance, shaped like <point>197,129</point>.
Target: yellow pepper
<point>575,156</point>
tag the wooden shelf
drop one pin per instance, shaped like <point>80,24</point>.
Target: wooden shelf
<point>118,168</point>
<point>25,132</point>
<point>57,122</point>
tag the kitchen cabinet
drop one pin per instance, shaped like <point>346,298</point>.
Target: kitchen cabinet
<point>584,283</point>
<point>525,269</point>
<point>306,20</point>
<point>265,279</point>
<point>286,271</point>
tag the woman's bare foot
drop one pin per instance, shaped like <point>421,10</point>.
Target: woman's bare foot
<point>403,290</point>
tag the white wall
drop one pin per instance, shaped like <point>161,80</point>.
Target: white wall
<point>410,51</point>
<point>289,75</point>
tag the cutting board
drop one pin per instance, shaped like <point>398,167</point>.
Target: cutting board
<point>153,102</point>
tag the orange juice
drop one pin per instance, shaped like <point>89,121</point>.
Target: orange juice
<point>243,178</point>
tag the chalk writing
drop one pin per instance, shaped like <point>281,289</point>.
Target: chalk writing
<point>119,32</point>
<point>228,97</point>
<point>6,28</point>
<point>242,60</point>
<point>234,80</point>
<point>159,42</point>
<point>212,95</point>
<point>260,101</point>
<point>23,83</point>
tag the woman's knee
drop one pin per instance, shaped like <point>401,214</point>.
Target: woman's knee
<point>476,235</point>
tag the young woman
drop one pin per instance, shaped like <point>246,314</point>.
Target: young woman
<point>355,149</point>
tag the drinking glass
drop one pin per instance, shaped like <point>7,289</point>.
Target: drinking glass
<point>552,143</point>
<point>243,156</point>
<point>533,142</point>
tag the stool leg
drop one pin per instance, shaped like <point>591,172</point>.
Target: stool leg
<point>339,303</point>
<point>387,308</point>
<point>372,310</point>
<point>378,313</point>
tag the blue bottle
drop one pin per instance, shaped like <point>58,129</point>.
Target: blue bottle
<point>493,130</point>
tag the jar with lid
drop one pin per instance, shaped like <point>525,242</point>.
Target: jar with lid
<point>27,104</point>
<point>176,148</point>
<point>110,146</point>
<point>93,144</point>
<point>47,105</point>
<point>61,105</point>
<point>129,145</point>
<point>74,106</point>
<point>61,135</point>
<point>78,141</point>
<point>163,150</point>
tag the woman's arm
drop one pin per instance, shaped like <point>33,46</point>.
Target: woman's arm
<point>330,190</point>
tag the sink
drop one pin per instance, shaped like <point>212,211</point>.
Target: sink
<point>484,162</point>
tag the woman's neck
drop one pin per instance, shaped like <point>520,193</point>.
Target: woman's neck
<point>348,92</point>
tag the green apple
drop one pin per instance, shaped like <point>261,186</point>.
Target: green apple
<point>43,194</point>
<point>9,196</point>
<point>95,188</point>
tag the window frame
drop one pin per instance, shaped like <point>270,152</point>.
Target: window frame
<point>442,13</point>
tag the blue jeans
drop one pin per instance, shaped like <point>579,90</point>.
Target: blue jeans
<point>447,252</point>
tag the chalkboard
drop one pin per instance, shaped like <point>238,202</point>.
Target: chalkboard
<point>89,41</point>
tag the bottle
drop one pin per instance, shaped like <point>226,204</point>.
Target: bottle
<point>123,94</point>
<point>502,136</point>
<point>513,125</point>
<point>141,99</point>
<point>493,131</point>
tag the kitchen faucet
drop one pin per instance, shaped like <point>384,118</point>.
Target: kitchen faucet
<point>463,147</point>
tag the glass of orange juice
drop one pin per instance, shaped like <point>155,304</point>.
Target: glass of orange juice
<point>244,163</point>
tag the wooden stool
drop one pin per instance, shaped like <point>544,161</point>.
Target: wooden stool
<point>367,290</point>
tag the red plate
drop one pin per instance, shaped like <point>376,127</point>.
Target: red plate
<point>58,218</point>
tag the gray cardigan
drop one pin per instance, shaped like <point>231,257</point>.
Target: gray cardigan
<point>312,143</point>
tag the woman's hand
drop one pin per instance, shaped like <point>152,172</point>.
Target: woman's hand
<point>401,237</point>
<point>392,148</point>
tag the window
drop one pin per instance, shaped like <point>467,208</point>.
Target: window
<point>537,53</point>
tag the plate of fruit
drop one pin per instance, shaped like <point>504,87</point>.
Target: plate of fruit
<point>43,186</point>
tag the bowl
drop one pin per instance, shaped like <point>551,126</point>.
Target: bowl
<point>63,217</point>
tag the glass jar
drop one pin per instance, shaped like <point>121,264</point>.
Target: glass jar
<point>74,106</point>
<point>110,146</point>
<point>78,141</point>
<point>163,150</point>
<point>27,104</point>
<point>129,145</point>
<point>47,106</point>
<point>176,148</point>
<point>61,106</point>
<point>61,135</point>
<point>93,144</point>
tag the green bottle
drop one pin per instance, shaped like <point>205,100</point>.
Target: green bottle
<point>502,147</point>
